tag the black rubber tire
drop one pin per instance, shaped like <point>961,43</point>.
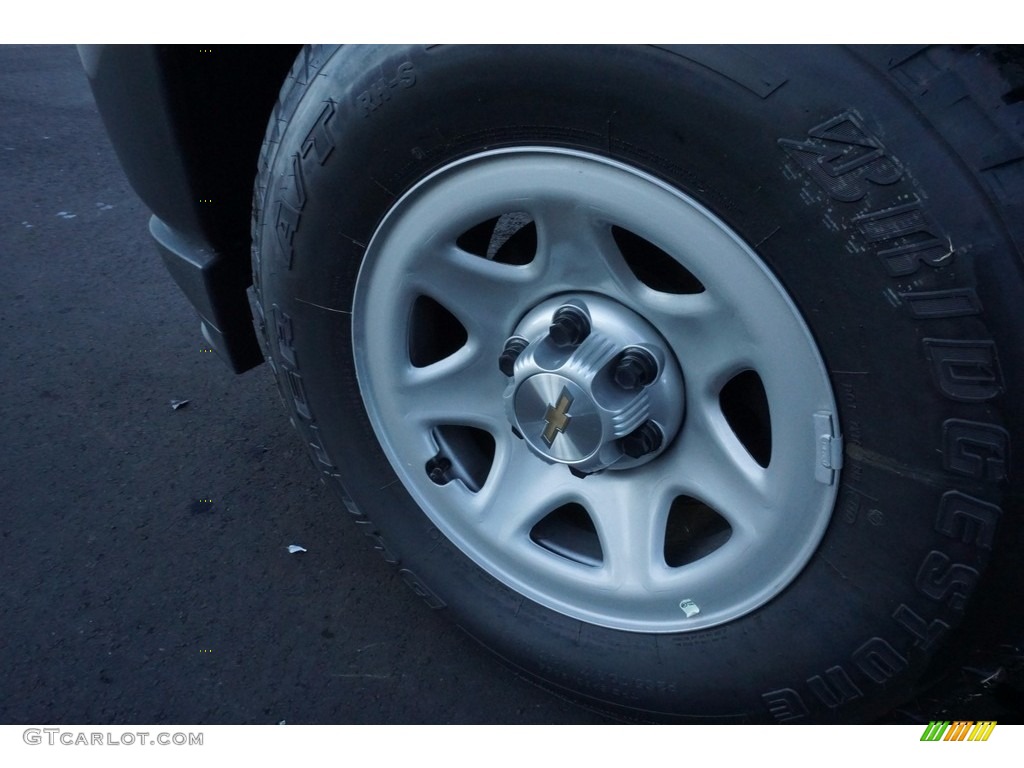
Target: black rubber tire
<point>881,189</point>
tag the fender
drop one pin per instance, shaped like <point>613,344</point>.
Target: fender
<point>187,123</point>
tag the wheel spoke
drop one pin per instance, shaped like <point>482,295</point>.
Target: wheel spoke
<point>711,465</point>
<point>464,388</point>
<point>630,520</point>
<point>575,248</point>
<point>486,297</point>
<point>710,342</point>
<point>520,490</point>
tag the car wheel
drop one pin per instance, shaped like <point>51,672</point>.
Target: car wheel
<point>676,377</point>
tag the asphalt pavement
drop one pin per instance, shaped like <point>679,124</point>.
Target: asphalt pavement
<point>145,574</point>
<point>125,596</point>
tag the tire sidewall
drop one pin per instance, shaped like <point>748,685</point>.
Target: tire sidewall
<point>891,578</point>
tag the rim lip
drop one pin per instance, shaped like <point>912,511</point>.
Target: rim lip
<point>452,526</point>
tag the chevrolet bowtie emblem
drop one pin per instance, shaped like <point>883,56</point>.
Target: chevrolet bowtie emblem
<point>557,417</point>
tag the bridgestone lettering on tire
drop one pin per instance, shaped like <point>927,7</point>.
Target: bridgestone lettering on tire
<point>678,377</point>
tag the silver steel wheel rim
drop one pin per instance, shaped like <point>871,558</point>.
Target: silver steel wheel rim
<point>742,321</point>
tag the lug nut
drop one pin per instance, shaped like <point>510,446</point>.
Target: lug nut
<point>635,368</point>
<point>513,349</point>
<point>569,326</point>
<point>643,440</point>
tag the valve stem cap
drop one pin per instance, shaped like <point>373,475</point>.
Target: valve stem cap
<point>438,468</point>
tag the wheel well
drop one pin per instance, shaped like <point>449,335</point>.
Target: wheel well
<point>221,98</point>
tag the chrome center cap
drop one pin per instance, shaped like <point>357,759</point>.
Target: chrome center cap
<point>591,384</point>
<point>557,418</point>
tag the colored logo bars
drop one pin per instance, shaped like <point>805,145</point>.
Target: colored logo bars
<point>960,730</point>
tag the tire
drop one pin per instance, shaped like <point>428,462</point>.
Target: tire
<point>678,378</point>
